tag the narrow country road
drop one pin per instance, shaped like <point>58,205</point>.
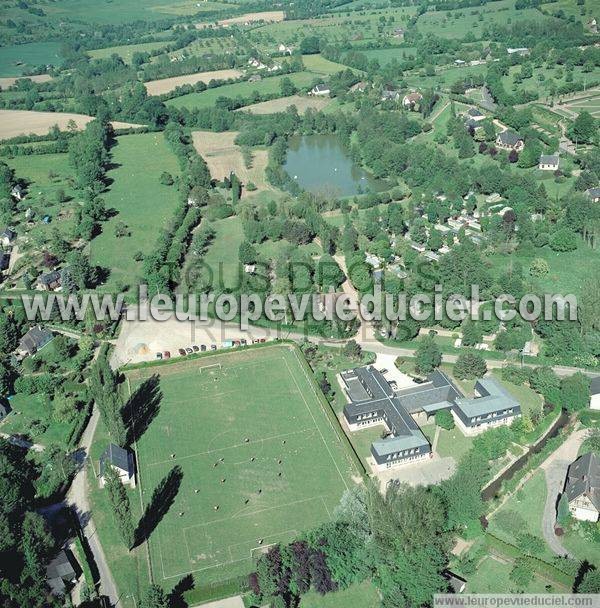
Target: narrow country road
<point>555,469</point>
<point>77,499</point>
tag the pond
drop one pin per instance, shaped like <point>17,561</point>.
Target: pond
<point>321,165</point>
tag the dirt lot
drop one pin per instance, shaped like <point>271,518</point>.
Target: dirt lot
<point>165,85</point>
<point>23,122</point>
<point>222,157</point>
<point>280,105</point>
<point>8,82</point>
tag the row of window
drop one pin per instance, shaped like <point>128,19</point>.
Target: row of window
<point>366,416</point>
<point>402,454</point>
<point>493,415</point>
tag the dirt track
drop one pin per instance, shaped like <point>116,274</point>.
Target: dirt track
<point>165,85</point>
<point>23,122</point>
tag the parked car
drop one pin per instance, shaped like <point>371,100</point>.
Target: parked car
<point>244,341</point>
<point>236,342</point>
<point>196,348</point>
<point>213,347</point>
<point>189,351</point>
<point>166,355</point>
<point>159,355</point>
<point>203,347</point>
<point>263,340</point>
<point>182,352</point>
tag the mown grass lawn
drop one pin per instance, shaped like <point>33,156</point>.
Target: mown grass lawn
<point>140,201</point>
<point>222,256</point>
<point>358,596</point>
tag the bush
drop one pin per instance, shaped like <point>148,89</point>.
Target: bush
<point>444,419</point>
<point>470,366</point>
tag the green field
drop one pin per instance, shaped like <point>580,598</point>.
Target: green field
<point>320,65</point>
<point>221,256</point>
<point>213,422</point>
<point>267,86</point>
<point>357,596</point>
<point>141,202</point>
<point>126,51</point>
<point>19,58</point>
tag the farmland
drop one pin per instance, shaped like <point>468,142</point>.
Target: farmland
<point>224,157</point>
<point>23,122</point>
<point>302,103</point>
<point>247,479</point>
<point>126,51</point>
<point>15,60</point>
<point>165,85</point>
<point>266,86</point>
<point>142,203</point>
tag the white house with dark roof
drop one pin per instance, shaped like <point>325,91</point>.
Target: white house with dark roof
<point>582,487</point>
<point>594,194</point>
<point>121,460</point>
<point>509,140</point>
<point>410,100</point>
<point>549,162</point>
<point>320,90</point>
<point>7,237</point>
<point>595,393</point>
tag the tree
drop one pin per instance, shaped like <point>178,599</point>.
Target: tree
<point>563,516</point>
<point>563,239</point>
<point>428,355</point>
<point>154,597</point>
<point>472,333</point>
<point>590,583</point>
<point>247,253</point>
<point>469,366</point>
<point>329,274</point>
<point>166,179</point>
<point>539,267</point>
<point>353,350</point>
<point>584,129</point>
<point>444,419</point>
<point>521,573</point>
<point>575,392</point>
<point>530,544</point>
<point>310,45</point>
<point>120,504</point>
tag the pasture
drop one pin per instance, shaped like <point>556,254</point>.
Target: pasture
<point>319,65</point>
<point>9,82</point>
<point>266,86</point>
<point>23,122</point>
<point>281,104</point>
<point>126,51</point>
<point>165,85</point>
<point>223,157</point>
<point>141,202</point>
<point>584,102</point>
<point>265,16</point>
<point>16,59</point>
<point>259,458</point>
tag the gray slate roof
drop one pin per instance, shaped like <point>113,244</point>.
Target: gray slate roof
<point>117,457</point>
<point>34,339</point>
<point>551,159</point>
<point>58,572</point>
<point>494,397</point>
<point>509,138</point>
<point>595,386</point>
<point>583,478</point>
<point>593,192</point>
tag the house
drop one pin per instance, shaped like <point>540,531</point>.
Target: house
<point>549,162</point>
<point>593,26</point>
<point>595,393</point>
<point>60,573</point>
<point>389,93</point>
<point>372,400</point>
<point>282,48</point>
<point>17,192</point>
<point>121,461</point>
<point>460,63</point>
<point>509,140</point>
<point>399,33</point>
<point>582,487</point>
<point>372,260</point>
<point>4,260</point>
<point>359,87</point>
<point>33,340</point>
<point>320,90</point>
<point>256,63</point>
<point>49,281</point>
<point>411,100</point>
<point>249,268</point>
<point>522,50</point>
<point>475,114</point>
<point>255,78</point>
<point>7,237</point>
<point>456,583</point>
<point>594,194</point>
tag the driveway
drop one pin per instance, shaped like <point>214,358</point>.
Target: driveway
<point>555,469</point>
<point>423,473</point>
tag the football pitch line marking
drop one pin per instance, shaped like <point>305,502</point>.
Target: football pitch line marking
<point>237,445</point>
<point>313,417</point>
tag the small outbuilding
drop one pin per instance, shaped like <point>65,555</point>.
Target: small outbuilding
<point>121,460</point>
<point>60,573</point>
<point>549,162</point>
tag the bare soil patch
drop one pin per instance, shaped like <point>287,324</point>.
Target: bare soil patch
<point>280,105</point>
<point>223,157</point>
<point>267,16</point>
<point>166,85</point>
<point>8,82</point>
<point>22,122</point>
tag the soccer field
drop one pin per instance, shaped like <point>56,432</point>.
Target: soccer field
<point>261,460</point>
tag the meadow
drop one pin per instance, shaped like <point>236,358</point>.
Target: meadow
<point>260,460</point>
<point>141,202</point>
<point>266,86</point>
<point>19,58</point>
<point>165,85</point>
<point>126,51</point>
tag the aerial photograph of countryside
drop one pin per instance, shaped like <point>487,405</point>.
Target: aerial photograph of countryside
<point>299,303</point>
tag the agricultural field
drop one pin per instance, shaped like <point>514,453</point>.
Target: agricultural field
<point>319,65</point>
<point>224,157</point>
<point>166,85</point>
<point>301,102</point>
<point>10,81</point>
<point>24,122</point>
<point>127,51</point>
<point>589,102</point>
<point>141,202</point>
<point>247,480</point>
<point>16,59</point>
<point>385,56</point>
<point>266,86</point>
<point>265,16</point>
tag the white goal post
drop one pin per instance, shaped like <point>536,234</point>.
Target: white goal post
<point>214,366</point>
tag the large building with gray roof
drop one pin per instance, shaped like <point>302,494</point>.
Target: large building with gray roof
<point>582,487</point>
<point>372,400</point>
